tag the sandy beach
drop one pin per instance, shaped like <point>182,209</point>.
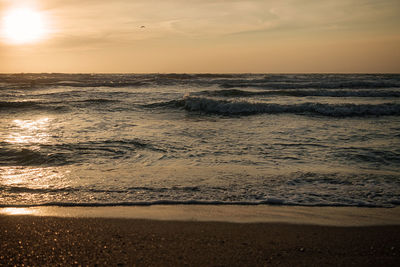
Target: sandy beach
<point>42,240</point>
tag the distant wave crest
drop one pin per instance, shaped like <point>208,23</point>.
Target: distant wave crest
<point>302,93</point>
<point>224,107</point>
<point>267,81</point>
<point>326,84</point>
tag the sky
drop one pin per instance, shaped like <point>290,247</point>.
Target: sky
<point>204,36</point>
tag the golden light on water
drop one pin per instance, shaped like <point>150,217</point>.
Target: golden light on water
<point>23,25</point>
<point>28,176</point>
<point>30,131</point>
<point>27,136</point>
<point>17,211</point>
<point>32,125</point>
<point>39,177</point>
<point>29,184</point>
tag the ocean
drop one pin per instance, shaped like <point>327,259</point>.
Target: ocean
<point>245,139</point>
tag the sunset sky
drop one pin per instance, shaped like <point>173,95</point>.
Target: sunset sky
<point>224,36</point>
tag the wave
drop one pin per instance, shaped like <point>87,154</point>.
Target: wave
<point>65,154</point>
<point>325,84</point>
<point>31,105</point>
<point>170,104</point>
<point>97,101</point>
<point>23,189</point>
<point>296,189</point>
<point>224,107</point>
<point>30,157</point>
<point>271,201</point>
<point>112,146</point>
<point>29,80</point>
<point>267,81</point>
<point>302,93</point>
<point>18,104</point>
<point>53,106</point>
<point>107,83</point>
<point>376,157</point>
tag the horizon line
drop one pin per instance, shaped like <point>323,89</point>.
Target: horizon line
<point>204,73</point>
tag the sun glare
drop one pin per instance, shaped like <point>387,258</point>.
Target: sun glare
<point>23,25</point>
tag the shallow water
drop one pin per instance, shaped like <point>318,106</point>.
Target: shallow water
<point>81,139</point>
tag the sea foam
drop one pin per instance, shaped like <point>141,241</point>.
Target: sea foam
<point>240,107</point>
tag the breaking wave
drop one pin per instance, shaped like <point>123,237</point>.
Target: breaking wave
<point>266,84</point>
<point>302,93</point>
<point>224,107</point>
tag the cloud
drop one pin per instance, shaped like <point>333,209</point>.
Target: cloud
<point>204,18</point>
<point>102,22</point>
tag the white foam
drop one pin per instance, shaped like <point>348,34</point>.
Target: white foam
<point>225,107</point>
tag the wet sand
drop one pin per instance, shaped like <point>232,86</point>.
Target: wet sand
<point>330,216</point>
<point>40,240</point>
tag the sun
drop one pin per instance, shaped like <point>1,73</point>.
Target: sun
<point>23,25</point>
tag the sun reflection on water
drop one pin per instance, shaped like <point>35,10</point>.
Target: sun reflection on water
<point>32,125</point>
<point>30,185</point>
<point>27,172</point>
<point>38,176</point>
<point>29,131</point>
<point>18,211</point>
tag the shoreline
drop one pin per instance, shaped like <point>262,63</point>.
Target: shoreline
<point>49,241</point>
<point>168,235</point>
<point>328,216</point>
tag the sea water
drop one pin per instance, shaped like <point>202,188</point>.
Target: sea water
<point>141,139</point>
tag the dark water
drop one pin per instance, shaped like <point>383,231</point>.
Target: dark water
<point>312,139</point>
